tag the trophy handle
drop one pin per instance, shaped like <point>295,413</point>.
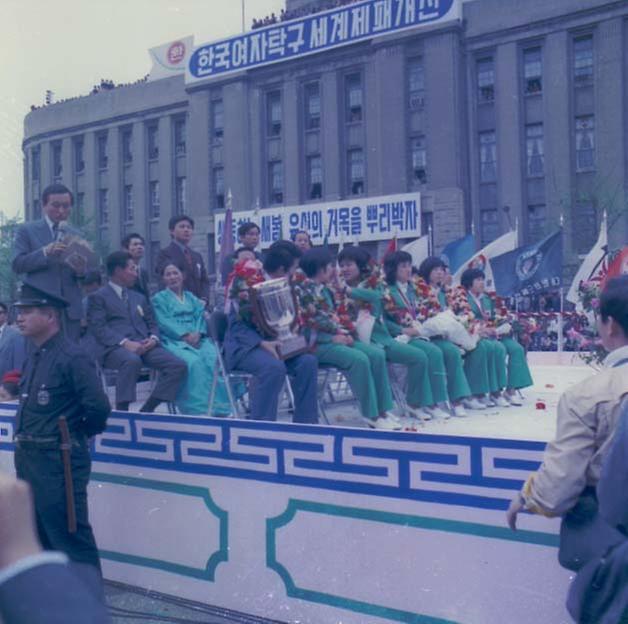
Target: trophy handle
<point>295,323</point>
<point>258,315</point>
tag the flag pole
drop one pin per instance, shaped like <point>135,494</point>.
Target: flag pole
<point>243,18</point>
<point>561,324</point>
<point>430,242</point>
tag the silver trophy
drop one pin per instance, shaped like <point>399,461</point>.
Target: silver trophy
<point>274,309</point>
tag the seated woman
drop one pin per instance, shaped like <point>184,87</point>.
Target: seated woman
<point>183,332</point>
<point>514,375</point>
<point>366,289</point>
<point>433,272</point>
<point>335,344</point>
<point>402,318</point>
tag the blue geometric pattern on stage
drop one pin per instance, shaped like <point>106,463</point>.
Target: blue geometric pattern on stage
<point>473,472</point>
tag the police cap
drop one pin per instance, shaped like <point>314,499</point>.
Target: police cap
<point>31,297</point>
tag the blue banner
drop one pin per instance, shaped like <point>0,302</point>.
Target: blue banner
<point>530,270</point>
<point>316,33</point>
<point>456,253</point>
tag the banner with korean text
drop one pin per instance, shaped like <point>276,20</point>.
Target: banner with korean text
<point>363,219</point>
<point>315,33</point>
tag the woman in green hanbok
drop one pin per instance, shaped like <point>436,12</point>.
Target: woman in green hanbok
<point>404,310</point>
<point>510,366</point>
<point>182,325</point>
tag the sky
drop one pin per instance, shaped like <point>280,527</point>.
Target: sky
<point>67,46</point>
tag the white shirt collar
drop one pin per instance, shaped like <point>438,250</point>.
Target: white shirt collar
<point>117,289</point>
<point>49,221</point>
<point>616,356</point>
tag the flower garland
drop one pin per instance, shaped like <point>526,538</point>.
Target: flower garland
<point>245,275</point>
<point>427,303</point>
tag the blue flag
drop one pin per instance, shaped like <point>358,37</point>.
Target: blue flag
<point>531,269</point>
<point>456,253</point>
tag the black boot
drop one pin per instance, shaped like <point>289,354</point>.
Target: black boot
<point>151,404</point>
<point>122,406</point>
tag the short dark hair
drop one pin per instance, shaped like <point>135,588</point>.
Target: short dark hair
<point>245,228</point>
<point>278,258</point>
<point>92,277</point>
<point>172,223</point>
<point>392,262</point>
<point>4,307</point>
<point>469,276</point>
<point>289,246</point>
<point>239,249</point>
<point>614,301</point>
<point>297,232</point>
<point>429,264</point>
<point>313,260</point>
<point>12,388</point>
<point>163,267</point>
<point>55,189</point>
<point>356,254</point>
<point>126,241</point>
<point>115,260</point>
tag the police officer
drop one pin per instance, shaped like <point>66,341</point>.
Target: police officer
<point>59,380</point>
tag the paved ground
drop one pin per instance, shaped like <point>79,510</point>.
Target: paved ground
<point>130,605</point>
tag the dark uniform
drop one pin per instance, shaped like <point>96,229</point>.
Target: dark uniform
<point>59,379</point>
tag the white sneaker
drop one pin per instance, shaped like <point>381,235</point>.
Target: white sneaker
<point>385,423</point>
<point>437,413</point>
<point>459,411</point>
<point>501,401</point>
<point>515,400</point>
<point>474,404</point>
<point>487,401</point>
<point>419,414</point>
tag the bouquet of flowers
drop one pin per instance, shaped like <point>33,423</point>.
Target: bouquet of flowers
<point>427,304</point>
<point>244,276</point>
<point>502,320</point>
<point>591,350</point>
<point>589,295</point>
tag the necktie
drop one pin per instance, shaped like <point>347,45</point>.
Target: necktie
<point>188,256</point>
<point>55,231</point>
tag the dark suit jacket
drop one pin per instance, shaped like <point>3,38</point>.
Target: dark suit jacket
<point>43,272</point>
<point>110,320</point>
<point>12,350</point>
<point>54,593</point>
<point>142,285</point>
<point>196,279</point>
<point>240,339</point>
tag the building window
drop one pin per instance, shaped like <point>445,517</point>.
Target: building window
<point>219,187</point>
<point>583,59</point>
<point>127,150</point>
<point>532,71</point>
<point>153,198</point>
<point>218,121</point>
<point>35,164</point>
<point>356,171</point>
<point>312,106</point>
<point>354,96</point>
<point>535,157</point>
<point>275,182</point>
<point>585,229</point>
<point>180,185</point>
<point>489,225</point>
<point>536,222</point>
<point>486,80</point>
<point>416,83</point>
<point>101,145</point>
<point>418,155</point>
<point>36,209</point>
<point>179,137</point>
<point>103,206</point>
<point>129,213</point>
<point>57,164</point>
<point>315,177</point>
<point>79,155</point>
<point>153,141</point>
<point>585,143</point>
<point>488,157</point>
<point>273,111</point>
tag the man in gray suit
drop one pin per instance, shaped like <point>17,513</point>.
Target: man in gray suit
<point>12,345</point>
<point>37,253</point>
<point>123,325</point>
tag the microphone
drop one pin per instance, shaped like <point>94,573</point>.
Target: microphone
<point>62,230</point>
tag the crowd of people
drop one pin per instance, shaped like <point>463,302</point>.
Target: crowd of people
<point>290,14</point>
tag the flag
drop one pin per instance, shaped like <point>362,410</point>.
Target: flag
<point>531,269</point>
<point>326,242</point>
<point>418,249</point>
<point>505,243</point>
<point>226,243</point>
<point>392,246</point>
<point>619,266</point>
<point>593,266</point>
<point>456,253</point>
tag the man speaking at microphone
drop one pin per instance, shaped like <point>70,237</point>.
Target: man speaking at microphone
<point>38,256</point>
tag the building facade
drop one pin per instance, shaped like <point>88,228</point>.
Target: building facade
<point>515,115</point>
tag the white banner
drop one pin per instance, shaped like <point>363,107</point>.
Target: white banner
<point>363,219</point>
<point>170,59</point>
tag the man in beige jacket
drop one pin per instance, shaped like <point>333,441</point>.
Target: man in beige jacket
<point>588,414</point>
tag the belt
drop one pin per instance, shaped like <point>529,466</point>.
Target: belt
<point>44,443</point>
